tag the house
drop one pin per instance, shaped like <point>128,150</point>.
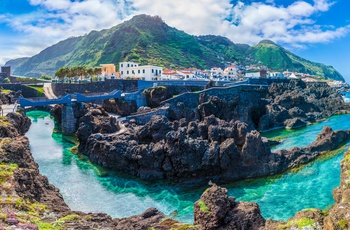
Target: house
<point>135,70</point>
<point>271,74</point>
<point>252,74</point>
<point>170,75</point>
<point>186,75</point>
<point>108,71</point>
<point>216,72</point>
<point>231,72</point>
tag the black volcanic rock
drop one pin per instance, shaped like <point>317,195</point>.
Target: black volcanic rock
<point>216,210</point>
<point>296,103</point>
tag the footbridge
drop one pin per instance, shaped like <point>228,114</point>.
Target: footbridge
<point>68,119</point>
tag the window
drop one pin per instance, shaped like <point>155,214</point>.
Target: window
<point>160,72</point>
<point>128,65</point>
<point>122,72</point>
<point>138,71</point>
<point>133,72</point>
<point>121,65</point>
<point>152,70</point>
<point>143,71</point>
<point>127,72</point>
<point>132,65</point>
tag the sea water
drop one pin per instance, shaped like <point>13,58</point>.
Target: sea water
<point>86,187</point>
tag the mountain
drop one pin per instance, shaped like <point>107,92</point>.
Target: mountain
<point>280,59</point>
<point>148,40</point>
<point>15,63</point>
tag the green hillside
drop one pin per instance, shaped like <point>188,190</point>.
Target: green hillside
<point>280,59</point>
<point>148,40</point>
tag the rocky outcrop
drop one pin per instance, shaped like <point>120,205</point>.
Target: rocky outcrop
<point>295,104</point>
<point>120,106</point>
<point>96,120</point>
<point>216,210</point>
<point>181,151</point>
<point>155,95</point>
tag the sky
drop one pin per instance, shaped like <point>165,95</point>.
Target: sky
<point>318,30</point>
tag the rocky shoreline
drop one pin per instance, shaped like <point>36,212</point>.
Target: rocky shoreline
<point>29,201</point>
<point>214,138</point>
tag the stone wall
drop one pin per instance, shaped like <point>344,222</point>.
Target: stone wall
<point>191,99</point>
<point>108,85</point>
<point>27,92</point>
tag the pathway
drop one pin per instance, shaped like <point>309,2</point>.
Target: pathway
<point>7,109</point>
<point>48,91</point>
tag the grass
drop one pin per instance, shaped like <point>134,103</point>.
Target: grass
<point>40,90</point>
<point>6,91</point>
<point>6,171</point>
<point>70,217</point>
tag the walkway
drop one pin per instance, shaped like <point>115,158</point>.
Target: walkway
<point>7,109</point>
<point>67,99</point>
<point>48,91</point>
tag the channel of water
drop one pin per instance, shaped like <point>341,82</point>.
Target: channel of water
<point>87,187</point>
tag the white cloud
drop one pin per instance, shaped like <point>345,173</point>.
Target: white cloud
<point>244,23</point>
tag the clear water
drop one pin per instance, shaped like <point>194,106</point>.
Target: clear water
<point>306,135</point>
<point>86,187</point>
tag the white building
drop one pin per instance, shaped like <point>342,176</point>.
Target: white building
<point>135,70</point>
<point>252,74</point>
<point>186,75</point>
<point>231,72</point>
<point>216,72</point>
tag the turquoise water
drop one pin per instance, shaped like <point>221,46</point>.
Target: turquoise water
<point>86,187</point>
<point>306,135</point>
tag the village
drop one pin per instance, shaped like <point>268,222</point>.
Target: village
<point>232,72</point>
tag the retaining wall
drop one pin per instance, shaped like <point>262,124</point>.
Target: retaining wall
<point>27,92</point>
<point>191,99</point>
<point>108,85</point>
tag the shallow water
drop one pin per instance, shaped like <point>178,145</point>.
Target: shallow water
<point>86,187</point>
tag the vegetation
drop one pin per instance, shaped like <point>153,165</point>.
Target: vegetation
<point>202,206</point>
<point>148,40</point>
<point>40,89</point>
<point>76,71</point>
<point>279,59</point>
<point>45,78</point>
<point>343,224</point>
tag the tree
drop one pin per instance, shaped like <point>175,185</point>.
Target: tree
<point>97,71</point>
<point>62,72</point>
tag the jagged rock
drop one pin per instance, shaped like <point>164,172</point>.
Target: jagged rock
<point>120,106</point>
<point>216,210</point>
<point>296,103</point>
<point>295,123</point>
<point>21,123</point>
<point>96,120</point>
<point>147,220</point>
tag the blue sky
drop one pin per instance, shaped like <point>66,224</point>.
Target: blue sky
<point>318,30</point>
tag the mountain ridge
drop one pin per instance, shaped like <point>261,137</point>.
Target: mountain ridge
<point>149,40</point>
